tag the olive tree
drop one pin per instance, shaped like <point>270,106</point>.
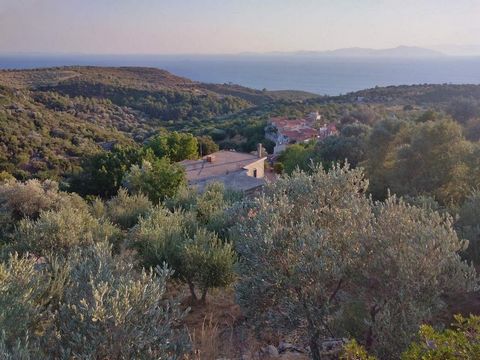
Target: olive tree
<point>314,247</point>
<point>300,246</point>
<point>198,257</point>
<point>112,311</point>
<point>468,225</point>
<point>89,306</point>
<point>413,259</point>
<point>210,206</point>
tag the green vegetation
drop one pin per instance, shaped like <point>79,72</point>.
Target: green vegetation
<point>463,341</point>
<point>92,306</point>
<point>157,180</point>
<point>321,258</point>
<point>366,237</point>
<point>187,238</point>
<point>175,146</point>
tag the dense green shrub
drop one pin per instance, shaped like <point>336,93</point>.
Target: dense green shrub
<point>157,179</point>
<point>299,156</point>
<point>19,200</point>
<point>353,351</point>
<point>431,158</point>
<point>175,146</point>
<point>124,210</point>
<point>210,207</point>
<point>461,342</point>
<point>103,173</point>
<point>206,145</point>
<point>61,231</point>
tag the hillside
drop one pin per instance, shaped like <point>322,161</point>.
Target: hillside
<point>430,94</point>
<point>37,139</point>
<point>51,118</point>
<point>136,78</point>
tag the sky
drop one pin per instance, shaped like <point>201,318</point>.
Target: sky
<point>233,26</point>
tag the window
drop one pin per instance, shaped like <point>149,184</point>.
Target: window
<point>254,172</point>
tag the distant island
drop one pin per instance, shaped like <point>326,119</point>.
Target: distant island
<point>396,52</point>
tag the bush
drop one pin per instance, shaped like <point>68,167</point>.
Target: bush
<point>278,168</point>
<point>461,342</point>
<point>27,199</point>
<point>59,232</point>
<point>353,351</point>
<point>22,288</point>
<point>157,180</point>
<point>124,209</point>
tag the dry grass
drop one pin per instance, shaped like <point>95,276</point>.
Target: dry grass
<point>218,329</point>
<point>206,340</point>
<point>213,326</point>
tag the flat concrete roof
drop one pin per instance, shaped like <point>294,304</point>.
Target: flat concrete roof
<point>224,162</point>
<point>238,180</point>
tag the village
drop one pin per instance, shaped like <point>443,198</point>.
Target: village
<point>248,172</point>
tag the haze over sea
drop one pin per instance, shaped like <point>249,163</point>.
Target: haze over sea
<point>321,75</point>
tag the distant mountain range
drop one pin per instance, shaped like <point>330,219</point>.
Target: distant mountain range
<point>397,52</point>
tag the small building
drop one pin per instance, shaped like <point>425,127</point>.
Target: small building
<point>237,171</point>
<point>284,131</point>
<point>327,130</point>
<point>313,117</point>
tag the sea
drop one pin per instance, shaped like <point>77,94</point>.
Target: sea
<point>319,75</point>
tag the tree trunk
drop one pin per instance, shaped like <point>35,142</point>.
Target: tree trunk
<point>314,348</point>
<point>192,290</point>
<point>204,296</point>
<point>369,338</point>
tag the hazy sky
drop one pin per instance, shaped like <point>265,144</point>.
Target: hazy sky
<point>230,26</point>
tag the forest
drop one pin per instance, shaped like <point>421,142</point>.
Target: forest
<point>365,247</point>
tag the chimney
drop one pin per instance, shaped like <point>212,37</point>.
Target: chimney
<point>259,150</point>
<point>210,158</point>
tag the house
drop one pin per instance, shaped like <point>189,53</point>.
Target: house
<point>284,131</point>
<point>313,117</point>
<point>327,130</point>
<point>237,171</point>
